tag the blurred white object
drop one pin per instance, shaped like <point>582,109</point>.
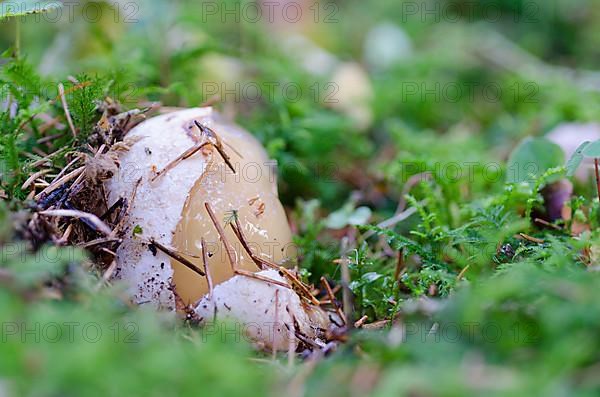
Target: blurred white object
<point>385,45</point>
<point>268,314</point>
<point>349,89</point>
<point>171,210</point>
<point>354,93</point>
<point>313,58</point>
<point>569,136</point>
<point>221,69</point>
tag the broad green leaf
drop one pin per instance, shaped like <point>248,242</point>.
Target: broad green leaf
<point>371,276</point>
<point>576,159</point>
<point>346,216</point>
<point>592,150</point>
<point>360,216</point>
<point>532,158</point>
<point>13,8</point>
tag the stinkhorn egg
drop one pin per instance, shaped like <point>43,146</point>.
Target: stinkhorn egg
<point>178,167</point>
<point>168,205</point>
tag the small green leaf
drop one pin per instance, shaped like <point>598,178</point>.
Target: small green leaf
<point>137,230</point>
<point>346,216</point>
<point>10,9</point>
<point>230,217</point>
<point>592,150</point>
<point>360,216</point>
<point>576,159</point>
<point>371,277</point>
<point>532,158</point>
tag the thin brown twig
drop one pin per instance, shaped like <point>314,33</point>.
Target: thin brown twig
<point>50,122</point>
<point>260,277</point>
<point>291,344</point>
<point>345,273</point>
<point>61,93</point>
<point>334,302</point>
<point>55,185</point>
<point>299,286</point>
<point>175,255</point>
<point>99,241</point>
<point>260,262</point>
<point>410,183</point>
<point>361,321</point>
<point>274,352</point>
<point>462,273</point>
<point>106,275</point>
<point>49,138</point>
<point>397,218</point>
<point>230,253</point>
<point>307,341</point>
<point>33,177</point>
<point>111,210</point>
<point>218,145</point>
<point>127,205</point>
<point>209,280</point>
<point>531,238</point>
<point>65,237</point>
<point>237,230</point>
<point>66,168</point>
<point>45,159</point>
<point>183,156</point>
<point>546,223</point>
<point>93,219</point>
<point>377,325</point>
<point>112,253</point>
<point>399,265</point>
<point>206,269</point>
<point>597,168</point>
<point>225,158</point>
<point>39,151</point>
<point>194,149</point>
<point>111,269</point>
<point>296,284</point>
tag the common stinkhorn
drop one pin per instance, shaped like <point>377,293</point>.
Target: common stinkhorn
<point>205,228</point>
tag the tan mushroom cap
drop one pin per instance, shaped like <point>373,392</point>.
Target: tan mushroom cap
<point>250,194</point>
<point>170,209</point>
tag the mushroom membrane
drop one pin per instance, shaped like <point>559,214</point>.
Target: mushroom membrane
<point>250,195</point>
<point>170,208</point>
<point>268,312</point>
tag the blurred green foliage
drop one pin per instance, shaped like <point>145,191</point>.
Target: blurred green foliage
<point>445,119</point>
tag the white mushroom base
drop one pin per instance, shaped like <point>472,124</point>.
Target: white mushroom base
<point>265,314</point>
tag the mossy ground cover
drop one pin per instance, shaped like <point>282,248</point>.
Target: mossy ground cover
<point>440,204</point>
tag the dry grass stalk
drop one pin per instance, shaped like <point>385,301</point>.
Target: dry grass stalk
<point>532,239</point>
<point>183,156</point>
<point>296,284</point>
<point>93,219</point>
<point>63,99</point>
<point>33,177</point>
<point>177,256</point>
<point>332,299</point>
<point>361,321</point>
<point>218,144</point>
<point>57,184</point>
